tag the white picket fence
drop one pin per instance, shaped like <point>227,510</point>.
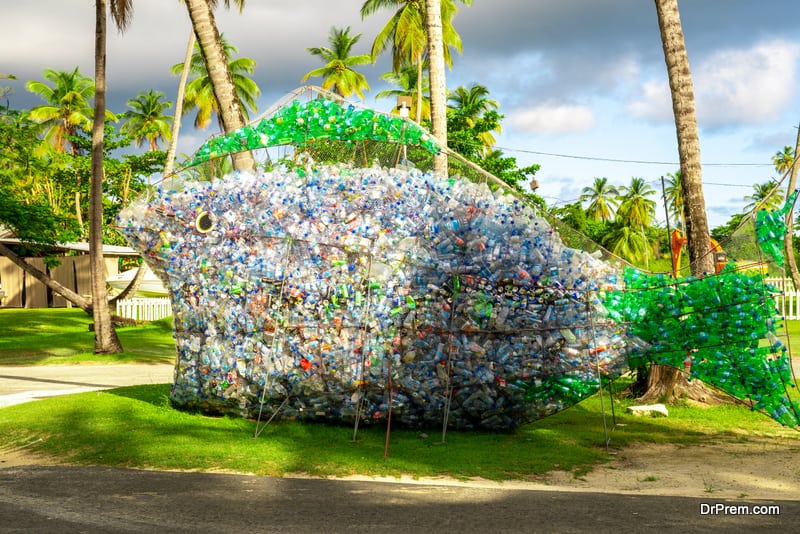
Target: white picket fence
<point>152,309</point>
<point>144,309</point>
<point>789,300</point>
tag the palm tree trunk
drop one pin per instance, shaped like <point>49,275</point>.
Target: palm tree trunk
<point>418,114</point>
<point>683,107</point>
<point>105,337</point>
<point>230,113</point>
<point>176,122</point>
<point>433,12</point>
<point>788,239</point>
<point>664,381</point>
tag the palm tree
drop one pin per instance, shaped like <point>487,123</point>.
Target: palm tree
<point>67,110</point>
<point>765,196</point>
<point>229,108</point>
<point>67,107</point>
<point>338,73</point>
<point>436,61</point>
<point>406,34</point>
<point>785,162</point>
<point>783,159</point>
<point>674,193</point>
<point>683,107</point>
<point>636,209</point>
<point>199,91</point>
<point>176,123</point>
<point>106,340</point>
<point>472,103</point>
<point>602,198</point>
<point>627,242</point>
<point>145,119</point>
<point>405,80</point>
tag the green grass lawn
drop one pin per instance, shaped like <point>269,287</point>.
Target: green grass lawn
<point>62,336</point>
<point>137,427</point>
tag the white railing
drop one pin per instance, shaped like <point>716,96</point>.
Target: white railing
<point>789,301</point>
<point>144,309</point>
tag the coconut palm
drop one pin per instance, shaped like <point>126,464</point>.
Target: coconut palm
<point>200,92</point>
<point>785,163</point>
<point>673,190</point>
<point>765,196</point>
<point>636,209</point>
<point>230,112</point>
<point>472,103</point>
<point>437,56</point>
<point>405,34</point>
<point>145,119</point>
<point>627,242</point>
<point>106,340</point>
<point>338,74</point>
<point>67,109</point>
<point>784,159</point>
<point>602,198</point>
<point>683,106</point>
<point>405,80</point>
<point>176,123</point>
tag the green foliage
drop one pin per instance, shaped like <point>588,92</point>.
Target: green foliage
<point>29,205</point>
<point>200,94</point>
<point>338,74</point>
<point>40,187</point>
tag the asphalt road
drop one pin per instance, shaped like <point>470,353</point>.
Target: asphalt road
<point>94,499</point>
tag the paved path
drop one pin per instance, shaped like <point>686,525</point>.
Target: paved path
<point>22,384</point>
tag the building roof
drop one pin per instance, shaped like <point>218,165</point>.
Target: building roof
<point>108,250</point>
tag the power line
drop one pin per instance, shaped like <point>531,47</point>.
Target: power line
<point>639,162</point>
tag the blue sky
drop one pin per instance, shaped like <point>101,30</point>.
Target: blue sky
<point>580,82</point>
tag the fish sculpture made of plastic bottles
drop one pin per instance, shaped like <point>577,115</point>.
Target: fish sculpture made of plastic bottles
<point>341,293</point>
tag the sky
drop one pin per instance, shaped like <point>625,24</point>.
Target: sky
<point>582,84</point>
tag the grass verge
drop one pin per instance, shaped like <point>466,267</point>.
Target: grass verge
<point>136,427</point>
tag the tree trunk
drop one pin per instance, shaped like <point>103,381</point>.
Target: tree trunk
<point>64,291</point>
<point>788,241</point>
<point>105,337</point>
<point>671,385</point>
<point>176,122</point>
<point>132,286</point>
<point>230,113</point>
<point>666,381</point>
<point>433,13</point>
<point>683,107</point>
<point>418,111</point>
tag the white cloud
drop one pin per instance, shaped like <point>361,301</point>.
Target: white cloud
<point>551,119</point>
<point>752,86</point>
<point>654,103</point>
<point>732,87</point>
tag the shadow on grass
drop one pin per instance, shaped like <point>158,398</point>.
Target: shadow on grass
<point>31,337</point>
<point>137,427</point>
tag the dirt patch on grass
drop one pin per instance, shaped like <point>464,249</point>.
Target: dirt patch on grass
<point>758,468</point>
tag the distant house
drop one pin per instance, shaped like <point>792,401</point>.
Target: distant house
<point>20,290</point>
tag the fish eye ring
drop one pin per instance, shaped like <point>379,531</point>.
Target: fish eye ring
<point>204,222</point>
